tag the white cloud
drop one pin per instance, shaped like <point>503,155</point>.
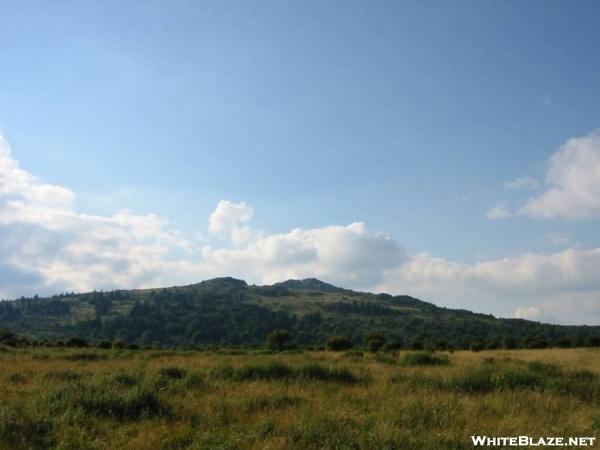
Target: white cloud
<point>566,284</point>
<point>572,185</point>
<point>48,246</point>
<point>525,183</point>
<point>347,255</point>
<point>498,212</point>
<point>573,182</point>
<point>559,238</point>
<point>227,220</point>
<point>529,313</point>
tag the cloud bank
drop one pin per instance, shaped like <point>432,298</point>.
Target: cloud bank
<point>572,184</point>
<point>48,246</point>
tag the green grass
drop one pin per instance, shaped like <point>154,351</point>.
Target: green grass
<point>310,401</point>
<point>280,371</point>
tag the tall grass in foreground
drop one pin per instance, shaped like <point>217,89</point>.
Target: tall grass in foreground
<point>312,401</point>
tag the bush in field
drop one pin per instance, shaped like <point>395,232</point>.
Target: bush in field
<point>111,401</point>
<point>375,341</point>
<point>386,359</point>
<point>173,372</point>
<point>478,380</point>
<point>126,379</point>
<point>87,356</point>
<point>510,343</point>
<point>417,345</point>
<point>477,345</point>
<point>594,341</point>
<point>104,344</point>
<point>537,376</point>
<point>279,339</point>
<point>564,343</point>
<point>76,342</point>
<point>318,372</point>
<point>16,378</point>
<point>279,371</point>
<point>12,340</point>
<point>339,343</point>
<point>21,429</point>
<point>424,359</point>
<point>392,346</point>
<point>271,371</point>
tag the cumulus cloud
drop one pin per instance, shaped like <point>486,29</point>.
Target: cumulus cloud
<point>567,280</point>
<point>529,313</point>
<point>227,220</point>
<point>572,184</point>
<point>47,246</point>
<point>347,255</point>
<point>520,184</point>
<point>498,212</point>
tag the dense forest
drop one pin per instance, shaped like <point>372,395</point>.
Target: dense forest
<point>229,312</point>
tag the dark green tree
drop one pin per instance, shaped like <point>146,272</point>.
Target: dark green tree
<point>339,343</point>
<point>279,340</point>
<point>375,341</point>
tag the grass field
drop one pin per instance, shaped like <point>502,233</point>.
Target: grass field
<point>123,399</point>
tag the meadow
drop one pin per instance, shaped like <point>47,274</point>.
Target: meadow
<point>254,399</point>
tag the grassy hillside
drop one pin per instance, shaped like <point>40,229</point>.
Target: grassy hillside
<point>226,311</point>
<point>249,399</point>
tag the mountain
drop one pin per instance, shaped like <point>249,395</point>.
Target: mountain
<point>227,311</point>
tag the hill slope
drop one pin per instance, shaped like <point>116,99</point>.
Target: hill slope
<point>226,311</point>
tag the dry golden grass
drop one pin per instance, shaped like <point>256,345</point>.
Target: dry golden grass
<point>391,406</point>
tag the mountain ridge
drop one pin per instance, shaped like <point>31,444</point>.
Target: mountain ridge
<point>228,311</point>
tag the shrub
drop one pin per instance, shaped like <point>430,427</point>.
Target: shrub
<point>12,340</point>
<point>193,381</point>
<point>318,372</point>
<point>594,341</point>
<point>477,380</point>
<point>375,341</point>
<point>272,371</point>
<point>26,430</point>
<point>16,378</point>
<point>392,346</point>
<point>424,359</point>
<point>76,342</point>
<point>416,345</point>
<point>339,343</point>
<point>386,359</point>
<point>510,343</point>
<point>515,378</point>
<point>354,354</point>
<point>477,345</point>
<point>85,357</point>
<point>279,340</point>
<point>110,401</point>
<point>279,371</point>
<point>104,344</point>
<point>125,379</point>
<point>173,372</point>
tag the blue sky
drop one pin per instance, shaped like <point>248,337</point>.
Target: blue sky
<point>408,116</point>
